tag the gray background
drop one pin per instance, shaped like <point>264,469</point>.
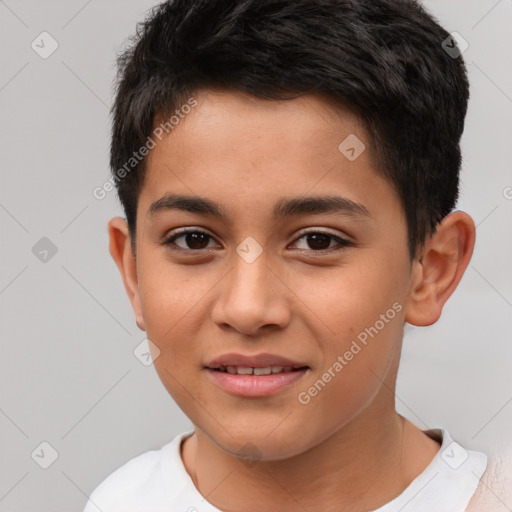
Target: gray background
<point>68,375</point>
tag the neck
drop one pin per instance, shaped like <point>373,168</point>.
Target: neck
<point>381,453</point>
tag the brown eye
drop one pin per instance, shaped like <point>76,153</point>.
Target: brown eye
<point>196,240</point>
<point>193,240</point>
<point>317,241</point>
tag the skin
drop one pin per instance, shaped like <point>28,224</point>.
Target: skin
<point>495,491</point>
<point>347,448</point>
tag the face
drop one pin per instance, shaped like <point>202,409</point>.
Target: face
<point>289,256</point>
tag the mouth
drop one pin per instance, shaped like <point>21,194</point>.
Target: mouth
<point>255,376</point>
<point>249,370</point>
<point>233,362</point>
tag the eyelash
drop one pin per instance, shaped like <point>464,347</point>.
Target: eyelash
<point>342,243</point>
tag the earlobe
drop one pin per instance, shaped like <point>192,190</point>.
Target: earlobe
<point>439,268</point>
<point>121,252</point>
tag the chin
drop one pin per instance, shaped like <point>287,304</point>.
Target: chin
<point>254,444</point>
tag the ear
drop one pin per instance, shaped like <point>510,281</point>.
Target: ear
<point>439,267</point>
<point>121,252</point>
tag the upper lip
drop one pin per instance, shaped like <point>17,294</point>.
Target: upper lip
<point>255,361</point>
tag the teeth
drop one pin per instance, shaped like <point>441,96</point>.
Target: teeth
<point>262,371</point>
<point>242,370</point>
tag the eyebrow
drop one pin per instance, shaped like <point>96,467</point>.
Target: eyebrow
<point>289,207</point>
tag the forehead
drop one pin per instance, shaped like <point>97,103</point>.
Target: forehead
<point>244,151</point>
<point>246,118</point>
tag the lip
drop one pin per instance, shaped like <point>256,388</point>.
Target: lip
<point>255,385</point>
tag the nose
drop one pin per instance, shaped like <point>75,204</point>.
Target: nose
<point>252,298</point>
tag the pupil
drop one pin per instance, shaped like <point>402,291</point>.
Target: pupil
<point>194,240</point>
<point>318,241</point>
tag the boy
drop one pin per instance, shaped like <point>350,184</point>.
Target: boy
<point>288,170</point>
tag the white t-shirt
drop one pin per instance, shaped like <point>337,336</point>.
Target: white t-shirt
<point>157,481</point>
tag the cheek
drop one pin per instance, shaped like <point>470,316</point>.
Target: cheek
<point>170,295</point>
<point>356,368</point>
<point>173,324</point>
<point>354,298</point>
<point>362,313</point>
<point>172,310</point>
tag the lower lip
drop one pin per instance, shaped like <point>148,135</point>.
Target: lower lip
<point>255,385</point>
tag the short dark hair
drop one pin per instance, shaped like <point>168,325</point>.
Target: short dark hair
<point>384,59</point>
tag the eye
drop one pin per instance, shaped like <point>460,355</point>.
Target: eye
<point>193,240</point>
<point>196,240</point>
<point>321,241</point>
